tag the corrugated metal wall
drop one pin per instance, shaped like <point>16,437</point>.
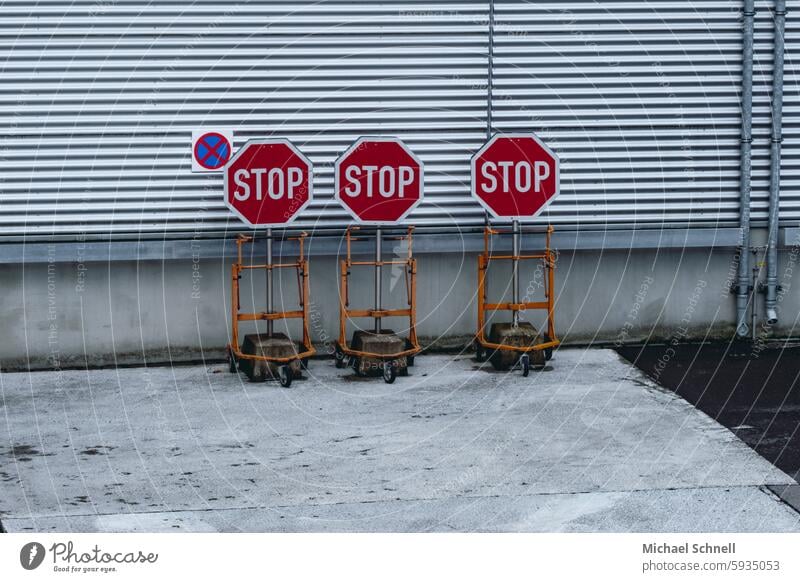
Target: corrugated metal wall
<point>640,99</point>
<point>790,158</point>
<point>100,100</point>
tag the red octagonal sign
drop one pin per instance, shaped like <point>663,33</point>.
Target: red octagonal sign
<point>515,176</point>
<point>378,180</point>
<point>268,182</point>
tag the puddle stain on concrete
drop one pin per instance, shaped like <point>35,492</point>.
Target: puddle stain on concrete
<point>24,453</point>
<point>97,450</point>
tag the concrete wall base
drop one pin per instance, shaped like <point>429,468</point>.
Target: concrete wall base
<point>63,314</point>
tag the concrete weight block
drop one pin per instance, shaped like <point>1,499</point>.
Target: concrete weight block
<point>278,346</point>
<point>524,335</point>
<point>386,342</point>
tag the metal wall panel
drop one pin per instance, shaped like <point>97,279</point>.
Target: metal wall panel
<point>762,113</point>
<point>642,101</point>
<point>98,101</point>
<point>639,98</point>
<point>790,158</point>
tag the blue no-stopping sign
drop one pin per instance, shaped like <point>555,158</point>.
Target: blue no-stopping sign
<point>211,150</point>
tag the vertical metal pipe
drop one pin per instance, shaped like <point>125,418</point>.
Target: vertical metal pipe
<point>743,280</point>
<point>753,304</point>
<point>515,271</point>
<point>378,273</point>
<point>490,72</point>
<point>489,84</point>
<point>775,159</point>
<point>270,299</point>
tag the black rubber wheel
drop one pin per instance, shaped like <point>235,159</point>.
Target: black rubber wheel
<point>285,376</point>
<point>525,363</point>
<point>389,372</point>
<point>232,365</point>
<point>480,353</point>
<point>548,352</point>
<point>338,358</point>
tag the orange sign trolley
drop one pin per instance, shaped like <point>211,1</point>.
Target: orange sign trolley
<point>394,360</point>
<point>542,346</point>
<point>283,363</point>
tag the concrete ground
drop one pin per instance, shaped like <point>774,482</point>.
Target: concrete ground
<point>588,445</point>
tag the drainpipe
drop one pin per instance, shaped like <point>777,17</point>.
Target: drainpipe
<point>775,159</point>
<point>490,74</point>
<point>743,284</point>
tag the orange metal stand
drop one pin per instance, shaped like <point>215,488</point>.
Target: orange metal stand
<point>301,267</point>
<point>409,265</point>
<point>548,258</point>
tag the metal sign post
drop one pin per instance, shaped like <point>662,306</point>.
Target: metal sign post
<point>515,273</point>
<point>378,274</point>
<point>270,300</point>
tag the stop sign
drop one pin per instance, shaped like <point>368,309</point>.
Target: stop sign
<point>378,180</point>
<point>268,182</point>
<point>515,176</point>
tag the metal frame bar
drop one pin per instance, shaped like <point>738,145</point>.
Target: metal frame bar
<point>548,259</point>
<point>378,313</point>
<point>301,265</point>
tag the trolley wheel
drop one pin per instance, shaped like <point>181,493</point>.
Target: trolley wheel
<point>480,353</point>
<point>233,366</point>
<point>285,376</point>
<point>389,371</point>
<point>338,355</point>
<point>525,363</point>
<point>548,352</point>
